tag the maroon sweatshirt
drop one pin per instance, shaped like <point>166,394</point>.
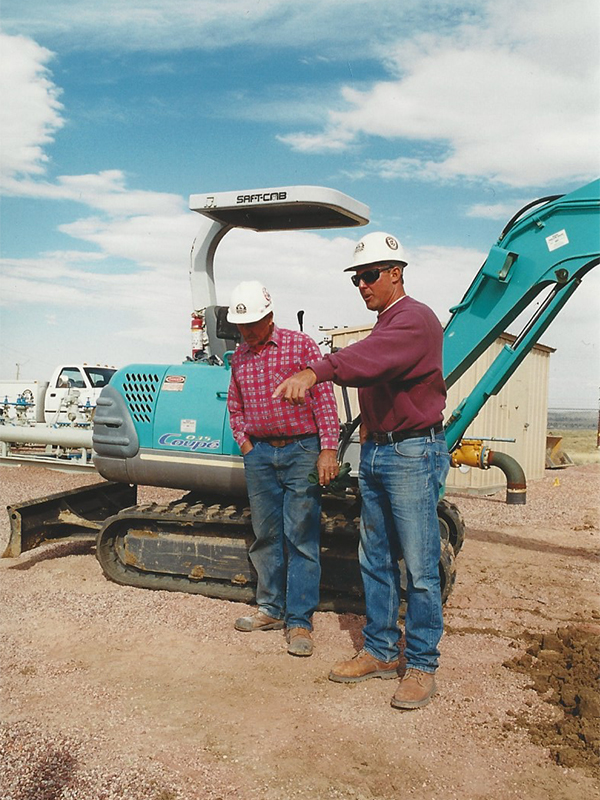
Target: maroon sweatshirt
<point>397,367</point>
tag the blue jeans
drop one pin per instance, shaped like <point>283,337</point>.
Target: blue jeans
<point>286,517</point>
<point>400,486</point>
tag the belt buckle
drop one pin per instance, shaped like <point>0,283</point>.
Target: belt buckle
<point>381,437</point>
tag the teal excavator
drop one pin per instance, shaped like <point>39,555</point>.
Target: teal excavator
<point>167,425</point>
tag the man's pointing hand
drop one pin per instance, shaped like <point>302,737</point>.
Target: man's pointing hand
<point>293,389</point>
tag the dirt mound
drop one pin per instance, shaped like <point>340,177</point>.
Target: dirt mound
<point>565,669</point>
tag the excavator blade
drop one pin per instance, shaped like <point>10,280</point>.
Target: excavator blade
<point>555,455</point>
<point>75,514</point>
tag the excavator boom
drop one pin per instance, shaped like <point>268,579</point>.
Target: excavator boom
<point>545,253</point>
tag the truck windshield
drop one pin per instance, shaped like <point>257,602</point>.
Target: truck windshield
<point>99,376</point>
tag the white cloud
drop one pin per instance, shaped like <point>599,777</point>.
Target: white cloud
<point>499,211</point>
<point>105,191</point>
<point>327,142</point>
<point>163,25</point>
<point>157,240</point>
<point>105,312</point>
<point>30,112</point>
<point>513,98</point>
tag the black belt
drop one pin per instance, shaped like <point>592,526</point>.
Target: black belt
<point>282,441</point>
<point>400,436</point>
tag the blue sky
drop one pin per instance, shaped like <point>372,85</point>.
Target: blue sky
<point>443,117</point>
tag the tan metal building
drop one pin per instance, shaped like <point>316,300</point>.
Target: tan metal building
<point>519,411</point>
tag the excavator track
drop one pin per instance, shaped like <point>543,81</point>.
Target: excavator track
<point>452,526</point>
<point>199,546</point>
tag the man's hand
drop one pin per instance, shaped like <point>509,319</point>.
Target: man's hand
<point>293,389</point>
<point>327,466</point>
<point>246,447</point>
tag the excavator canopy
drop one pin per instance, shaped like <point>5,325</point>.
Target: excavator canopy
<point>282,209</point>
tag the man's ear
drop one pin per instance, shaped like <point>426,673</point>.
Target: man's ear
<point>397,274</point>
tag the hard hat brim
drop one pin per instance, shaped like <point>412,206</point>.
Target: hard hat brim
<point>396,262</point>
<point>245,319</point>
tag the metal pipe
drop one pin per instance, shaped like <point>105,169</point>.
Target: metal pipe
<point>516,483</point>
<point>44,434</point>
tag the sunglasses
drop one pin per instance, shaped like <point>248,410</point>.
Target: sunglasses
<point>369,276</point>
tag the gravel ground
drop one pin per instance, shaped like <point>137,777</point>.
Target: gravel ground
<point>114,692</point>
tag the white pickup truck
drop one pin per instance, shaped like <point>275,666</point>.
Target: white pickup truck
<point>68,398</point>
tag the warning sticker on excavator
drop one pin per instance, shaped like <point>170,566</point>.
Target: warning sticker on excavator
<point>559,239</point>
<point>173,383</point>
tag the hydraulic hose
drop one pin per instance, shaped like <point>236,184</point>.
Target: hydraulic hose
<point>521,211</point>
<point>348,429</point>
<point>516,483</point>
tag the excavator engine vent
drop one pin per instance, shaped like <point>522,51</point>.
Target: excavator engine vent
<point>140,391</point>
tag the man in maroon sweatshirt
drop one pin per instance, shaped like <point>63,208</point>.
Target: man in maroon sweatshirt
<point>403,465</point>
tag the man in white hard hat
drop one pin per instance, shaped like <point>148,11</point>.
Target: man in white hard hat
<point>404,463</point>
<point>281,445</point>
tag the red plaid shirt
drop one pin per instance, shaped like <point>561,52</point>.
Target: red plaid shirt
<point>254,377</point>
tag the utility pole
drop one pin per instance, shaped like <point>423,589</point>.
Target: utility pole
<point>598,433</point>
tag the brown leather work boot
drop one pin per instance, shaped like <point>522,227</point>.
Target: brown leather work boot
<point>258,622</point>
<point>363,666</point>
<point>415,690</point>
<point>299,641</point>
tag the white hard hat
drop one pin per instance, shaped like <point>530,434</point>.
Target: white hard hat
<point>375,248</point>
<point>250,301</point>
